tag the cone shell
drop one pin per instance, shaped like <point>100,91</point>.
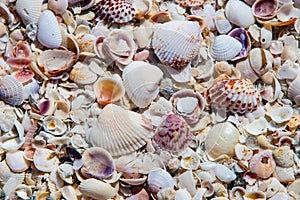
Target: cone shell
<point>120,131</point>
<point>225,48</point>
<point>176,43</point>
<point>29,10</point>
<point>11,91</point>
<point>141,81</point>
<point>235,95</point>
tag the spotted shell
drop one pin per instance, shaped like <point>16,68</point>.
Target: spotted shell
<point>190,3</point>
<point>234,95</point>
<point>176,43</point>
<point>11,90</point>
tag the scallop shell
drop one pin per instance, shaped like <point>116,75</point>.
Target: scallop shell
<point>176,43</point>
<point>265,9</point>
<point>225,48</point>
<point>159,179</point>
<point>120,131</point>
<point>234,95</point>
<point>48,30</point>
<point>11,91</point>
<point>29,10</point>
<point>144,88</point>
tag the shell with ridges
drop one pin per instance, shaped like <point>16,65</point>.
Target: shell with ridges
<point>159,179</point>
<point>11,90</point>
<point>29,10</point>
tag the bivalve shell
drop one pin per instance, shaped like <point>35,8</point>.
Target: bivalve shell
<point>45,160</point>
<point>59,7</point>
<point>222,24</point>
<point>159,179</point>
<point>29,10</point>
<point>16,161</point>
<point>81,74</point>
<point>281,114</point>
<point>11,91</point>
<point>262,164</point>
<point>265,9</point>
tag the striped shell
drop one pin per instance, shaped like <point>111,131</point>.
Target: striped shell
<point>29,10</point>
<point>11,91</point>
<point>189,3</point>
<point>120,131</point>
<point>176,43</point>
<point>235,95</point>
<point>225,48</point>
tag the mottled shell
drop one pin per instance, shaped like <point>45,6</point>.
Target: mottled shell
<point>176,43</point>
<point>225,48</point>
<point>173,134</point>
<point>159,179</point>
<point>234,95</point>
<point>120,131</point>
<point>221,139</point>
<point>29,10</point>
<point>265,9</point>
<point>141,81</point>
<point>11,91</point>
<point>190,3</point>
<point>222,24</point>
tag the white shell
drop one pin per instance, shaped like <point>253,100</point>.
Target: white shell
<point>11,90</point>
<point>281,114</point>
<point>54,125</point>
<point>48,30</point>
<point>16,161</point>
<point>225,48</point>
<point>159,179</point>
<point>284,174</point>
<point>182,194</point>
<point>186,180</point>
<point>141,81</point>
<point>294,90</point>
<point>120,131</point>
<point>81,74</point>
<point>266,36</point>
<point>288,11</point>
<point>222,24</point>
<point>44,160</point>
<point>257,127</point>
<point>29,10</point>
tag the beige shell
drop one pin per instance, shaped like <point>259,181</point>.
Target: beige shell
<point>120,131</point>
<point>29,10</point>
<point>141,81</point>
<point>284,174</point>
<point>284,156</point>
<point>59,7</point>
<point>45,160</point>
<point>294,189</point>
<point>16,161</point>
<point>11,90</point>
<point>81,74</point>
<point>281,114</point>
<point>257,127</point>
<point>246,70</point>
<point>260,60</point>
<point>222,24</point>
<point>176,48</point>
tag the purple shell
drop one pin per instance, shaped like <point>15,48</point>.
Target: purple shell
<point>241,35</point>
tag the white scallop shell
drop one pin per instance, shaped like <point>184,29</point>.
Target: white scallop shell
<point>141,81</point>
<point>48,30</point>
<point>281,114</point>
<point>120,131</point>
<point>11,90</point>
<point>159,179</point>
<point>225,48</point>
<point>29,10</point>
<point>176,43</point>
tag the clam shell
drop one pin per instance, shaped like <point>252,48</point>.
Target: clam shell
<point>16,161</point>
<point>257,127</point>
<point>288,11</point>
<point>59,7</point>
<point>144,88</point>
<point>54,125</point>
<point>29,10</point>
<point>44,160</point>
<point>120,131</point>
<point>81,74</point>
<point>96,189</point>
<point>281,114</point>
<point>176,43</point>
<point>222,24</point>
<point>242,36</point>
<point>11,91</point>
<point>225,48</point>
<point>48,30</point>
<point>159,179</point>
<point>265,9</point>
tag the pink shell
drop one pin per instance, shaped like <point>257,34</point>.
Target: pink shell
<point>18,62</point>
<point>263,164</point>
<point>173,134</point>
<point>235,95</point>
<point>24,75</point>
<point>265,9</point>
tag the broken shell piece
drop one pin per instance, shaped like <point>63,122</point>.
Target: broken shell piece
<point>97,163</point>
<point>288,11</point>
<point>54,125</point>
<point>97,189</point>
<point>16,161</point>
<point>23,191</point>
<point>281,114</point>
<point>24,75</point>
<point>258,126</point>
<point>265,9</point>
<point>11,90</point>
<point>159,179</point>
<point>222,172</point>
<point>68,192</point>
<point>29,10</point>
<point>109,89</point>
<point>262,164</point>
<point>284,156</point>
<point>284,174</point>
<point>257,195</point>
<point>45,160</point>
<point>222,24</point>
<point>266,35</point>
<point>65,172</point>
<point>190,160</point>
<point>276,47</point>
<point>81,74</point>
<point>242,152</point>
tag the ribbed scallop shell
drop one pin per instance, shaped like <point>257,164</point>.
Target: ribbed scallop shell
<point>29,10</point>
<point>11,90</point>
<point>141,81</point>
<point>120,131</point>
<point>176,43</point>
<point>48,30</point>
<point>225,48</point>
<point>235,95</point>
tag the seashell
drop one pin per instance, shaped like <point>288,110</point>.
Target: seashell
<point>265,9</point>
<point>18,62</point>
<point>259,60</point>
<point>22,49</point>
<point>180,53</point>
<point>276,47</point>
<point>225,48</point>
<point>246,70</point>
<point>56,62</point>
<point>255,195</point>
<point>142,35</point>
<point>142,194</point>
<point>24,75</point>
<point>11,91</point>
<point>109,89</point>
<point>54,125</point>
<point>173,134</point>
<point>23,191</point>
<point>209,188</point>
<point>16,161</point>
<point>293,90</point>
<point>221,171</point>
<point>7,15</point>
<point>281,114</point>
<point>294,189</point>
<point>257,127</point>
<point>242,152</point>
<point>239,13</point>
<point>222,67</point>
<point>142,89</point>
<point>29,10</point>
<point>45,160</point>
<point>288,11</point>
<point>68,192</point>
<point>221,139</point>
<point>222,24</point>
<point>237,193</point>
<point>182,194</point>
<point>98,163</point>
<point>188,104</point>
<point>266,36</point>
<point>234,95</point>
<point>283,156</point>
<point>242,36</point>
<point>120,131</point>
<point>142,8</point>
<point>189,3</point>
<point>284,174</point>
<point>280,195</point>
<point>59,7</point>
<point>159,179</point>
<point>262,164</point>
<point>186,181</point>
<point>96,189</point>
<point>81,74</point>
<point>48,30</point>
<point>65,172</point>
<point>115,11</point>
<point>290,49</point>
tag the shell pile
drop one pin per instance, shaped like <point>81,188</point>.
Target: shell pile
<point>150,99</point>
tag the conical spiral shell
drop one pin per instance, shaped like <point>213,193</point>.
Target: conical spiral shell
<point>11,91</point>
<point>120,131</point>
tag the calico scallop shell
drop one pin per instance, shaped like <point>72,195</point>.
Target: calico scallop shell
<point>141,81</point>
<point>190,3</point>
<point>29,10</point>
<point>234,95</point>
<point>176,43</point>
<point>265,9</point>
<point>11,90</point>
<point>225,48</point>
<point>120,131</point>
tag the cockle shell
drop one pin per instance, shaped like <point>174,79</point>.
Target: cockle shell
<point>11,91</point>
<point>265,9</point>
<point>221,139</point>
<point>144,88</point>
<point>159,179</point>
<point>225,48</point>
<point>29,10</point>
<point>262,164</point>
<point>97,189</point>
<point>176,43</point>
<point>120,131</point>
<point>173,134</point>
<point>235,95</point>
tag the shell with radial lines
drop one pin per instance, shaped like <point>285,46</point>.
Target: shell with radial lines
<point>11,90</point>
